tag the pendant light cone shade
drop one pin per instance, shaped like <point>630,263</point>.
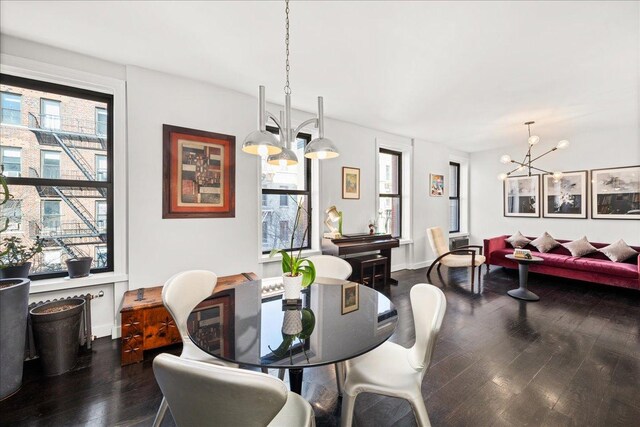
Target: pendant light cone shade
<point>321,148</point>
<point>284,158</point>
<point>261,143</point>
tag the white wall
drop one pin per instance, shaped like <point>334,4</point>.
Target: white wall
<point>590,149</point>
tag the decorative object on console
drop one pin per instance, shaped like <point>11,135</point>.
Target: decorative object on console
<point>333,216</point>
<point>518,240</point>
<point>350,183</point>
<point>566,196</point>
<point>198,174</point>
<point>522,196</point>
<point>580,247</point>
<point>544,243</point>
<point>618,251</point>
<point>263,143</point>
<point>350,297</point>
<point>437,184</point>
<point>522,253</point>
<point>615,193</point>
<point>528,160</point>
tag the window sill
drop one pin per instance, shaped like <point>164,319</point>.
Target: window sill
<point>406,242</point>
<point>459,234</point>
<point>61,283</point>
<point>265,258</point>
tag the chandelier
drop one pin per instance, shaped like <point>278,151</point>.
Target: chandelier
<point>529,159</point>
<point>263,143</point>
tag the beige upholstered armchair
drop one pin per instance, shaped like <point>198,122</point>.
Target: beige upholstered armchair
<point>464,256</point>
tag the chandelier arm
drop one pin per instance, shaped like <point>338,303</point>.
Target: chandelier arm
<point>274,119</point>
<point>509,173</point>
<point>313,121</point>
<point>538,169</point>
<point>544,154</point>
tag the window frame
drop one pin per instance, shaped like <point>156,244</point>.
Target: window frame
<point>44,101</point>
<point>2,157</point>
<point>99,111</point>
<point>306,192</point>
<point>108,185</point>
<point>398,195</point>
<point>19,95</point>
<point>42,158</point>
<point>457,197</point>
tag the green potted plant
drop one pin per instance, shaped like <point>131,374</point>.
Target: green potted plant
<point>15,256</point>
<point>297,272</point>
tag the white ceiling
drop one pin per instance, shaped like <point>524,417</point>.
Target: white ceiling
<point>463,74</point>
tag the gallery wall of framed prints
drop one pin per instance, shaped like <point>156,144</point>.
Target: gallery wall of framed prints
<point>615,193</point>
<point>566,197</point>
<point>522,196</point>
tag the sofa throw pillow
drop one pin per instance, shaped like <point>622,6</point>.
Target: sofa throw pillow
<point>518,241</point>
<point>544,243</point>
<point>618,251</point>
<point>580,247</point>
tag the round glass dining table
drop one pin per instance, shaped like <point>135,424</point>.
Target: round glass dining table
<point>334,321</point>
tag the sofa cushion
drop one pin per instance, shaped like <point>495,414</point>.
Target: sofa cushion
<point>545,243</point>
<point>580,247</point>
<point>618,251</point>
<point>518,241</point>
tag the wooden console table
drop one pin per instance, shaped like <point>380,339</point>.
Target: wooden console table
<point>147,324</point>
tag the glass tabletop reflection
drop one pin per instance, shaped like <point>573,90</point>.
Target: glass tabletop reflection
<point>336,320</point>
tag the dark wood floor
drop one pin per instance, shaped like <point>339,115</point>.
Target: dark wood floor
<point>571,359</point>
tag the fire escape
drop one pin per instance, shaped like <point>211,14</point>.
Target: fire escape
<point>70,137</point>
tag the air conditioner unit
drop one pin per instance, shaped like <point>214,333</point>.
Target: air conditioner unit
<point>456,242</point>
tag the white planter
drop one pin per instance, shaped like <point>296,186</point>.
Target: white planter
<point>292,322</point>
<point>292,286</point>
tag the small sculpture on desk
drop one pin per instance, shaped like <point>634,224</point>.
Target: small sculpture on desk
<point>372,228</point>
<point>333,216</point>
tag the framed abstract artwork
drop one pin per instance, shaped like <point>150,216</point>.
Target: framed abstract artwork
<point>350,183</point>
<point>615,193</point>
<point>436,184</point>
<point>198,174</point>
<point>522,196</point>
<point>350,297</point>
<point>565,197</point>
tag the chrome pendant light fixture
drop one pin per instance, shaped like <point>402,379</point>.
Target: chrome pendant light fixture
<point>528,159</point>
<point>262,142</point>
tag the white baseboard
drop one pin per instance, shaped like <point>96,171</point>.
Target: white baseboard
<point>422,264</point>
<point>116,331</point>
<point>398,267</point>
<point>102,330</point>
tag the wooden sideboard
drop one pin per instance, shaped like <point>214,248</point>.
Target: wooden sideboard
<point>147,324</point>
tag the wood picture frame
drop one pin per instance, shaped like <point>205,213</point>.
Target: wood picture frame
<point>436,183</point>
<point>214,319</point>
<point>521,196</point>
<point>350,183</point>
<point>350,297</point>
<point>615,193</point>
<point>198,176</point>
<point>566,197</point>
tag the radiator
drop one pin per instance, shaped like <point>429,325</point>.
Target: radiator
<point>456,242</point>
<point>86,335</point>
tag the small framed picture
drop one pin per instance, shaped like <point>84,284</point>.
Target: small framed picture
<point>437,184</point>
<point>350,297</point>
<point>615,193</point>
<point>522,196</point>
<point>565,197</point>
<point>350,183</point>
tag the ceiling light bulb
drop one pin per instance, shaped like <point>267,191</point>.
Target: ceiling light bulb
<point>534,139</point>
<point>521,168</point>
<point>502,176</point>
<point>263,150</point>
<point>505,159</point>
<point>562,144</point>
<point>322,155</point>
<point>283,163</point>
<point>557,176</point>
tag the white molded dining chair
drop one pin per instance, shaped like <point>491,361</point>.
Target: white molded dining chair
<point>201,393</point>
<point>393,370</point>
<point>180,295</point>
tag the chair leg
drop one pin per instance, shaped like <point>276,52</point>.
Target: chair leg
<point>473,273</point>
<point>340,375</point>
<point>433,264</point>
<point>281,374</point>
<point>420,411</point>
<point>348,405</point>
<point>161,412</point>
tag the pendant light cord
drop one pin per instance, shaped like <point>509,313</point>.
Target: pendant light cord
<point>287,88</point>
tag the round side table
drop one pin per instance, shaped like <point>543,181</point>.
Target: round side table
<point>523,272</point>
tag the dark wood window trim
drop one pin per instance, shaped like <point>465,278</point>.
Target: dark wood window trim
<point>397,195</point>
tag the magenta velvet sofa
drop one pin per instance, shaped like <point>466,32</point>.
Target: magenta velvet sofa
<point>595,267</point>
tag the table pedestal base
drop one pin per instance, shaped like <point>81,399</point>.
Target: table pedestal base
<point>295,380</point>
<point>522,292</point>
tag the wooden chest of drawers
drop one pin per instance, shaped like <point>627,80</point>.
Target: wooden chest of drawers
<point>147,324</point>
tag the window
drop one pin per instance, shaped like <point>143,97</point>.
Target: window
<point>10,158</point>
<point>51,164</point>
<point>390,192</point>
<point>62,174</point>
<point>11,108</point>
<point>50,114</point>
<point>101,167</point>
<point>283,187</point>
<point>454,197</point>
<point>51,216</point>
<point>11,210</point>
<point>101,121</point>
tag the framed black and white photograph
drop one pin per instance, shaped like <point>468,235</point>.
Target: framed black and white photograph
<point>522,196</point>
<point>565,197</point>
<point>615,193</point>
